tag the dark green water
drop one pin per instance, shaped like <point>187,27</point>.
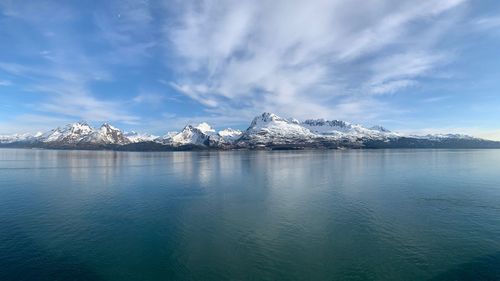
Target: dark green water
<point>307,215</point>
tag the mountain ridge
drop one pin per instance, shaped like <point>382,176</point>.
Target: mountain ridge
<point>266,131</point>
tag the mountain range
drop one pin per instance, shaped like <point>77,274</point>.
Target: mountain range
<point>266,131</point>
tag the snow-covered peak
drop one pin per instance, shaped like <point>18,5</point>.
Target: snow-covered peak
<point>81,132</point>
<point>169,135</point>
<point>108,128</point>
<point>108,134</point>
<point>230,134</point>
<point>52,135</point>
<point>444,136</point>
<point>270,128</point>
<point>71,133</point>
<point>16,138</point>
<point>342,129</point>
<point>380,129</point>
<point>267,129</point>
<point>323,126</point>
<point>205,128</point>
<point>136,137</point>
<point>189,135</point>
<point>266,118</point>
<point>79,128</point>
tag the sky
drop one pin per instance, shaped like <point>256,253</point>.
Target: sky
<point>154,66</point>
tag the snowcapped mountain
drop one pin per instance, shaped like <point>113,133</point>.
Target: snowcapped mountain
<point>225,138</point>
<point>107,134</point>
<point>135,137</point>
<point>83,133</point>
<point>202,135</point>
<point>265,131</point>
<point>190,136</point>
<point>205,128</point>
<point>268,128</point>
<point>18,138</point>
<point>326,127</point>
<point>341,129</point>
<point>439,137</point>
<point>380,129</point>
<point>230,134</point>
<point>71,134</point>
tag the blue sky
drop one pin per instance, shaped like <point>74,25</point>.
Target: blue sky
<point>413,66</point>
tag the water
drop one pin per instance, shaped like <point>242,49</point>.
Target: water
<point>302,215</point>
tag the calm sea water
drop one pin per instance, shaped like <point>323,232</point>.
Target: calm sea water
<point>302,215</point>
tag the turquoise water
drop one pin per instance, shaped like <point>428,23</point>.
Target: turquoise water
<point>301,215</point>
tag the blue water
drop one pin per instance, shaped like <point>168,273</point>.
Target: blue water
<point>242,215</point>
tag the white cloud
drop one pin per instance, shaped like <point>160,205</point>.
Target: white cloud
<point>303,57</point>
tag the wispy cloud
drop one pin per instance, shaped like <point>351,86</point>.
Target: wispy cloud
<point>31,123</point>
<point>67,92</point>
<point>302,57</point>
<point>395,72</point>
<point>153,99</point>
<point>5,83</point>
<point>68,71</point>
<point>488,22</point>
<point>435,99</point>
